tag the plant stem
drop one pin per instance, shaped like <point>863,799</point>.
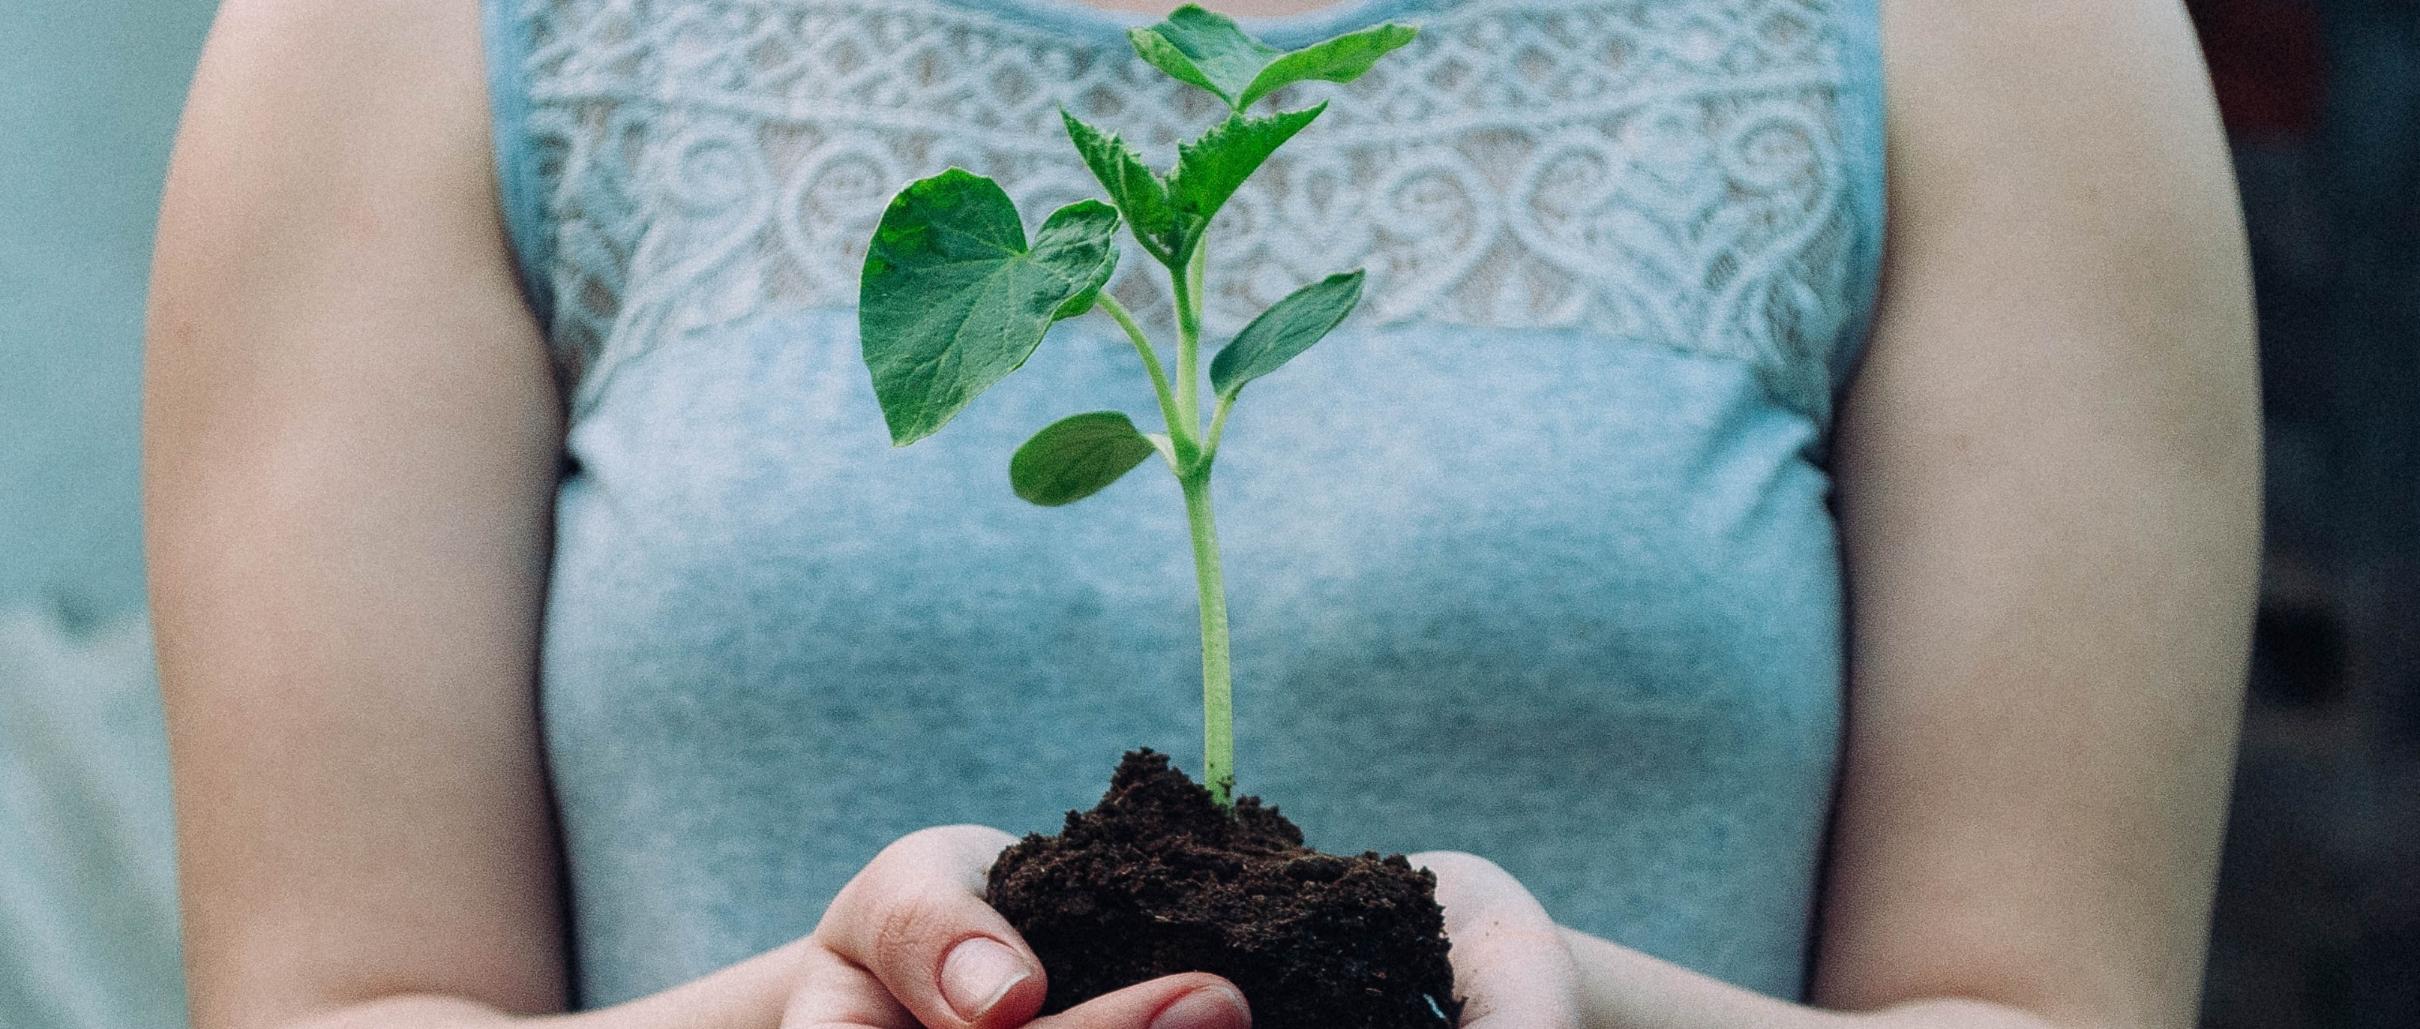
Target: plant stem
<point>1218,704</point>
<point>1218,426</point>
<point>1185,289</point>
<point>1193,277</point>
<point>1218,695</point>
<point>1178,429</point>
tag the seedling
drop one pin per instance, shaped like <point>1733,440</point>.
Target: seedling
<point>954,298</point>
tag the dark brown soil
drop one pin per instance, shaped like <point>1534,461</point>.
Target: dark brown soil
<point>1157,880</point>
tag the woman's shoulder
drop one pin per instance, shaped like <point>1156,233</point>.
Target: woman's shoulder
<point>385,74</point>
<point>2086,122</point>
<point>342,114</point>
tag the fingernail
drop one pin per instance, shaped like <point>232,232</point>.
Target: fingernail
<point>978,973</point>
<point>1211,1007</point>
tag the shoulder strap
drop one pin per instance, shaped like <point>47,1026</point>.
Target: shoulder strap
<point>507,27</point>
<point>1863,139</point>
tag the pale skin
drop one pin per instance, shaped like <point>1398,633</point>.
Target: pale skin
<point>2047,474</point>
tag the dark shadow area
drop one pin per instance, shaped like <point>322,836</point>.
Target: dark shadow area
<point>2318,918</point>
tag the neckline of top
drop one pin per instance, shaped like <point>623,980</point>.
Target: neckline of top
<point>1077,18</point>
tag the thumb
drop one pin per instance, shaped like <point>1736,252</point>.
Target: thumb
<point>1510,962</point>
<point>915,920</point>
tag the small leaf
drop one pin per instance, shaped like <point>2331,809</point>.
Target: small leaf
<point>1341,59</point>
<point>1138,191</point>
<point>1076,457</point>
<point>1210,169</point>
<point>1286,329</point>
<point>1211,51</point>
<point>1166,447</point>
<point>1208,50</point>
<point>952,299</point>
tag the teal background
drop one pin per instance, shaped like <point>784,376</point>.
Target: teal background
<point>89,93</point>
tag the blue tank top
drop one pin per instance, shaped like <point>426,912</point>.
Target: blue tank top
<point>1532,558</point>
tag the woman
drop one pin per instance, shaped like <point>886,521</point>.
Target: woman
<point>1852,655</point>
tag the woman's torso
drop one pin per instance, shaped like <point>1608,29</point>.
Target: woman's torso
<point>1531,558</point>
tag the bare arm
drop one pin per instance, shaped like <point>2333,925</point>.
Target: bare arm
<point>351,440</point>
<point>2050,474</point>
<point>2048,471</point>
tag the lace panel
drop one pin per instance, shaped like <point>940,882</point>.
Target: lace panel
<point>1663,173</point>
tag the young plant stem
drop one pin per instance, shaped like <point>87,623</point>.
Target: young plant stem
<point>1179,433</point>
<point>1193,458</point>
<point>1185,287</point>
<point>1218,695</point>
<point>1218,703</point>
<point>1218,424</point>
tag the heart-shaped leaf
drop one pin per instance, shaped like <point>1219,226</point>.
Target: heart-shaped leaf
<point>1137,190</point>
<point>952,299</point>
<point>1210,169</point>
<point>1287,328</point>
<point>1076,457</point>
<point>1211,51</point>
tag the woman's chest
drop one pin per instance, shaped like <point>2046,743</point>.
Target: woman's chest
<point>1517,505</point>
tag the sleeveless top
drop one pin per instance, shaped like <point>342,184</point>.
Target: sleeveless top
<point>1533,557</point>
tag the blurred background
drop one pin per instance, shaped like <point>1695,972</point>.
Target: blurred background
<point>2319,897</point>
<point>2318,920</point>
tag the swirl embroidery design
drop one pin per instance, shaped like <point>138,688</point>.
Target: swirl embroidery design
<point>1662,172</point>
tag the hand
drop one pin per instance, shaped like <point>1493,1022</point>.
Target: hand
<point>910,944</point>
<point>1512,965</point>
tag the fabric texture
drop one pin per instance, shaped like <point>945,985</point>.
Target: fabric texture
<point>1531,558</point>
<point>88,905</point>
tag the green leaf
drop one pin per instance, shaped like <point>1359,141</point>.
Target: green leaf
<point>1209,169</point>
<point>952,299</point>
<point>1341,59</point>
<point>1166,447</point>
<point>1286,329</point>
<point>1139,192</point>
<point>1168,214</point>
<point>1205,49</point>
<point>1211,51</point>
<point>1076,457</point>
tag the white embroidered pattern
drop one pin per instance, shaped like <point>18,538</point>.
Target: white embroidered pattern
<point>1666,173</point>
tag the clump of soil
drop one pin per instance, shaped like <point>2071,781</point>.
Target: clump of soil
<point>1157,880</point>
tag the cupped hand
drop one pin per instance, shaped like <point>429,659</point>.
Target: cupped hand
<point>910,944</point>
<point>1511,965</point>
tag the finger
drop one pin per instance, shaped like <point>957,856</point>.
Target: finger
<point>1194,1000</point>
<point>1510,963</point>
<point>834,994</point>
<point>915,920</point>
